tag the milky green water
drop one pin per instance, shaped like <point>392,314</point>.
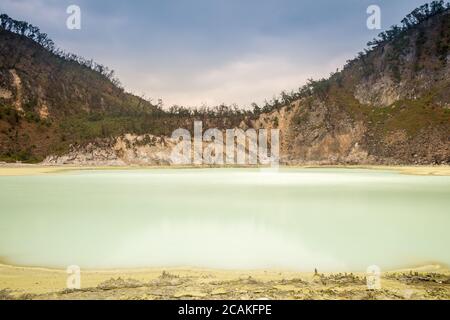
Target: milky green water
<point>299,219</point>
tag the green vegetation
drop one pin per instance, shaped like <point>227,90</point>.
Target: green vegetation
<point>396,34</point>
<point>410,116</point>
<point>416,17</point>
<point>23,28</point>
<point>21,156</point>
<point>9,114</point>
<point>85,102</point>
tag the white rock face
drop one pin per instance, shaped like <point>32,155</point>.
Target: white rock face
<point>128,149</point>
<point>142,150</point>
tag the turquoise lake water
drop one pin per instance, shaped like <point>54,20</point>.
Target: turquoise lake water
<point>299,219</point>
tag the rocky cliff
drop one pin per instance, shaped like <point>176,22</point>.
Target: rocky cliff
<point>390,105</point>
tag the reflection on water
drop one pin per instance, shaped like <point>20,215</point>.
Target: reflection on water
<point>300,219</point>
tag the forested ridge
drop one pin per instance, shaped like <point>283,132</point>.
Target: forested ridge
<point>51,99</point>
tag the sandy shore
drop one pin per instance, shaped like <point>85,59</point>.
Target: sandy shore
<point>24,169</point>
<point>412,170</point>
<point>428,282</point>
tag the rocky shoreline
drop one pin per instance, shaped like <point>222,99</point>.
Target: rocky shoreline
<point>193,284</point>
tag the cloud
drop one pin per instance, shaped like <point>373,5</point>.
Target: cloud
<point>252,78</point>
<point>212,51</point>
<point>45,14</point>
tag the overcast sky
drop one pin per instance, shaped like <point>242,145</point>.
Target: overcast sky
<point>190,52</point>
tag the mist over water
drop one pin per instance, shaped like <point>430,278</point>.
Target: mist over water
<point>299,219</point>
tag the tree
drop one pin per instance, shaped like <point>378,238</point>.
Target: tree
<point>417,16</point>
<point>255,108</point>
<point>25,29</point>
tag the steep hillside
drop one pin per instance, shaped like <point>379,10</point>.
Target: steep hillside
<point>41,93</point>
<point>51,101</point>
<point>390,105</point>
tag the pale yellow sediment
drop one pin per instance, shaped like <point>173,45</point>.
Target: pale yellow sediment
<point>413,170</point>
<point>31,170</point>
<point>35,280</point>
